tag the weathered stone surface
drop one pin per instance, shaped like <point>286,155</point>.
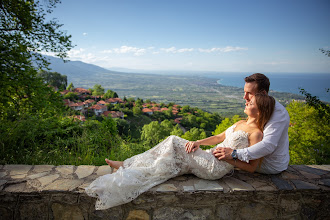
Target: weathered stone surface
<point>65,198</point>
<point>325,182</point>
<point>310,169</point>
<point>289,176</point>
<point>2,182</point>
<point>226,211</point>
<point>115,213</point>
<point>256,211</point>
<point>16,188</point>
<point>32,210</point>
<point>42,168</point>
<point>18,176</point>
<point>207,185</point>
<point>310,175</point>
<point>103,170</point>
<point>3,174</point>
<point>64,185</point>
<point>66,212</point>
<point>180,213</point>
<point>84,171</point>
<point>65,170</point>
<point>281,184</point>
<point>17,169</point>
<point>166,188</point>
<point>48,179</point>
<point>299,184</point>
<point>321,167</point>
<point>238,185</point>
<point>188,188</point>
<point>37,175</point>
<point>290,203</point>
<point>138,215</point>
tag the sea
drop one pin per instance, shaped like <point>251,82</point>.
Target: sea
<point>316,84</point>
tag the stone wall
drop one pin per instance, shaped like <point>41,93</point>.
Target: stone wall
<point>57,192</point>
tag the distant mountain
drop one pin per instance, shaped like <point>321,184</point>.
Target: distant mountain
<point>76,69</point>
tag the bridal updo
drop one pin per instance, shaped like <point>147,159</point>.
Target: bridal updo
<point>266,106</point>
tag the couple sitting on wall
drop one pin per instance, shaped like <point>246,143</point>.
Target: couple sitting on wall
<point>260,143</point>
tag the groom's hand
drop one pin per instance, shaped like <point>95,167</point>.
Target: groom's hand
<point>223,153</point>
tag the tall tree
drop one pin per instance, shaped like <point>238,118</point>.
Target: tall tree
<point>24,33</point>
<point>98,90</point>
<point>54,79</point>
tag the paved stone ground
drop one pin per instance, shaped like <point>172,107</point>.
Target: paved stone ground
<point>17,181</point>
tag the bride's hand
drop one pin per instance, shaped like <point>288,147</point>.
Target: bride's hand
<point>192,146</point>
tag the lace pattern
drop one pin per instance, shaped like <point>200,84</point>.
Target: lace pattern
<point>164,161</point>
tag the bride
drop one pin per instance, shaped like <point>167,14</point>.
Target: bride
<point>176,156</point>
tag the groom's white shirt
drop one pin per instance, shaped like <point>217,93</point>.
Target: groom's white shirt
<point>274,147</point>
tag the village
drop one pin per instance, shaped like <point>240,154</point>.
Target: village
<point>99,106</point>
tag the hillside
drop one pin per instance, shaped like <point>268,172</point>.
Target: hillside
<point>196,91</point>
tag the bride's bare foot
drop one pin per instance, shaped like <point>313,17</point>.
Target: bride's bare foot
<point>114,164</point>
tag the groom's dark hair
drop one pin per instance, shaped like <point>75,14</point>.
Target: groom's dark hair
<point>261,80</point>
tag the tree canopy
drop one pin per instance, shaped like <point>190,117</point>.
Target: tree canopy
<point>24,34</point>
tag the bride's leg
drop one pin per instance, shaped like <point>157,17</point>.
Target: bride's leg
<point>114,164</point>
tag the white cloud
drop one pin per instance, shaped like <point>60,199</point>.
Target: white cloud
<point>174,50</point>
<point>223,50</point>
<point>126,49</point>
<point>84,34</point>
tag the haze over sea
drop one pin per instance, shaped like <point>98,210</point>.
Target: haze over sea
<point>314,83</point>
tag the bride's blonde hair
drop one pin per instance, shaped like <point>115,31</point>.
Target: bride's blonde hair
<point>266,106</point>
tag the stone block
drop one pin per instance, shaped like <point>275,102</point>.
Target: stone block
<point>188,188</point>
<point>44,181</point>
<point>65,170</point>
<point>300,185</point>
<point>166,200</point>
<point>64,185</point>
<point>309,169</point>
<point>115,213</point>
<point>42,168</point>
<point>138,215</point>
<point>325,182</point>
<point>66,212</point>
<point>103,170</point>
<point>17,169</point>
<point>182,213</point>
<point>310,175</point>
<point>256,211</point>
<point>281,184</point>
<point>226,211</point>
<point>32,207</point>
<point>16,188</point>
<point>237,185</point>
<point>3,174</point>
<point>166,188</point>
<point>207,185</point>
<point>37,175</point>
<point>65,198</point>
<point>84,171</point>
<point>290,204</point>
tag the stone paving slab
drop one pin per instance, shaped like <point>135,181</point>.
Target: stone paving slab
<point>207,185</point>
<point>63,185</point>
<point>42,168</point>
<point>103,170</point>
<point>84,171</point>
<point>166,188</point>
<point>308,169</point>
<point>17,169</point>
<point>304,185</point>
<point>237,185</point>
<point>65,170</point>
<point>281,184</point>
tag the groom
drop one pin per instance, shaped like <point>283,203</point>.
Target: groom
<point>274,147</point>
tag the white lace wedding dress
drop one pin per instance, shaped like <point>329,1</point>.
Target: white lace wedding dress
<point>164,161</point>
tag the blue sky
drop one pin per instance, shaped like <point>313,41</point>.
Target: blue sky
<point>200,35</point>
